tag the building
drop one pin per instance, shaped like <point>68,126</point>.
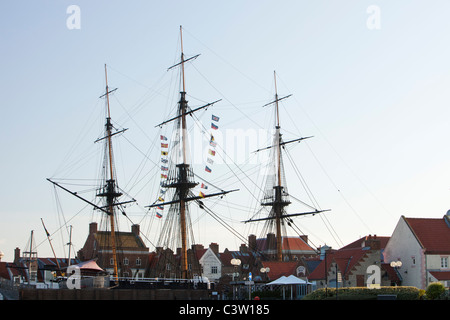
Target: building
<point>350,266</point>
<point>165,263</point>
<point>132,254</point>
<point>422,245</point>
<point>37,272</point>
<point>211,263</point>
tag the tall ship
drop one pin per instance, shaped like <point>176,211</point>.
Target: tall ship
<point>175,254</point>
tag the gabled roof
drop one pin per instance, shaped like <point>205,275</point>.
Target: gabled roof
<point>432,234</point>
<point>206,253</point>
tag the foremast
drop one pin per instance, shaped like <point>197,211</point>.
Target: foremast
<point>109,190</point>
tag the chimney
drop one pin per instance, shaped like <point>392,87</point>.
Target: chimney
<point>372,242</point>
<point>252,242</point>
<point>16,255</point>
<point>93,227</point>
<point>135,229</point>
<point>323,251</point>
<point>214,247</point>
<point>197,247</point>
<point>243,248</point>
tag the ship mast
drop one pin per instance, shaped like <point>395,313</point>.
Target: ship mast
<point>109,191</point>
<point>183,181</point>
<point>277,197</point>
<point>278,204</point>
<point>182,170</point>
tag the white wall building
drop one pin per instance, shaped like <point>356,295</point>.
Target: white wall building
<point>211,265</point>
<point>423,247</point>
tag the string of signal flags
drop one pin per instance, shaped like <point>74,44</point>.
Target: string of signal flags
<point>165,160</point>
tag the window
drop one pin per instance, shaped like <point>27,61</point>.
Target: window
<point>111,261</point>
<point>138,261</point>
<point>125,261</point>
<point>214,269</point>
<point>444,262</point>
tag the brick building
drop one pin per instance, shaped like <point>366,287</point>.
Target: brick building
<point>132,253</point>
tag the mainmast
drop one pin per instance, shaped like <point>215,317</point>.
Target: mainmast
<point>278,203</point>
<point>182,179</point>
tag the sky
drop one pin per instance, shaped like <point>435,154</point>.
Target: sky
<point>369,81</point>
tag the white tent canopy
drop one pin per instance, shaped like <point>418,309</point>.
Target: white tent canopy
<point>291,280</point>
<point>279,281</point>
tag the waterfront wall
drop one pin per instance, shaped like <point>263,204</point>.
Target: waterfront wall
<point>113,294</point>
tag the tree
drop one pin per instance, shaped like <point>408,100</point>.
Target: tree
<point>435,290</point>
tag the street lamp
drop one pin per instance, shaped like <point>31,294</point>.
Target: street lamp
<point>396,265</point>
<point>235,263</point>
<point>265,271</point>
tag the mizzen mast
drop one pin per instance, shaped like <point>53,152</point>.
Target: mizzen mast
<point>276,196</point>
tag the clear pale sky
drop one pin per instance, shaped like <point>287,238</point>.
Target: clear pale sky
<point>373,93</point>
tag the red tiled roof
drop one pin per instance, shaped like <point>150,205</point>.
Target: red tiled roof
<point>294,243</point>
<point>393,276</point>
<point>344,258</point>
<point>4,270</point>
<point>288,243</point>
<point>278,269</point>
<point>441,275</point>
<point>432,234</point>
<point>358,243</point>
